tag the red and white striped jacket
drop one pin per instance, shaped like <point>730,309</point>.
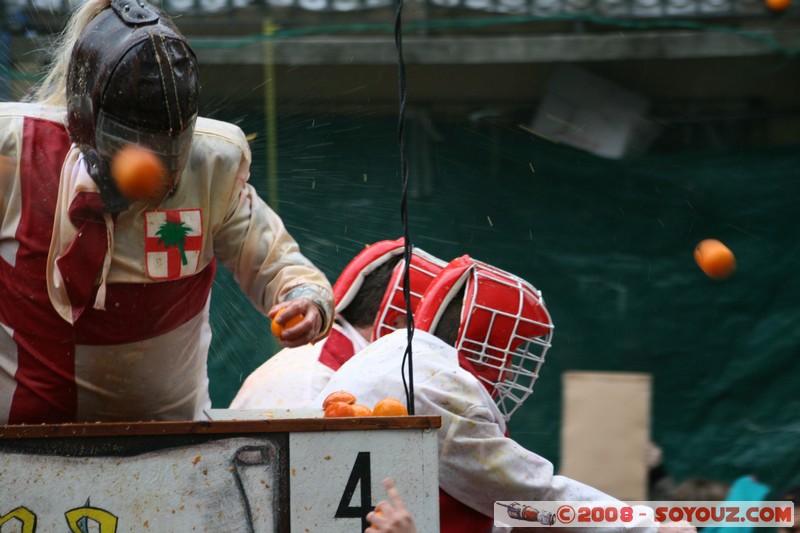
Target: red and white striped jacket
<point>137,351</point>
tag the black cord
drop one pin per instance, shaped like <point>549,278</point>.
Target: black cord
<point>401,75</point>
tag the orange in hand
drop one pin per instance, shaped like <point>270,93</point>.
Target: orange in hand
<point>379,513</point>
<point>277,329</point>
<point>715,259</point>
<point>389,407</point>
<point>338,410</point>
<point>339,396</point>
<point>138,173</point>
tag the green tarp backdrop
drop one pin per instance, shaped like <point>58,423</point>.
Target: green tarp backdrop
<point>609,243</point>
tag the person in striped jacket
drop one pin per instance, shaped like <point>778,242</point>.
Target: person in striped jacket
<point>105,306</point>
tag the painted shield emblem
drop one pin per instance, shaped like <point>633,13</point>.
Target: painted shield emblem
<point>173,242</point>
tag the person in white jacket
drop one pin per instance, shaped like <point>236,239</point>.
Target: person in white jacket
<point>482,335</point>
<point>369,304</point>
<point>105,306</point>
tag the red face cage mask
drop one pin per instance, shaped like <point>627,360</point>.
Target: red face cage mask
<point>392,309</point>
<point>504,331</point>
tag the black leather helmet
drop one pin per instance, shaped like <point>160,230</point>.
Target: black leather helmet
<point>132,79</point>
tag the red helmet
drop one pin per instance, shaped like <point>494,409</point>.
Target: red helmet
<point>424,268</point>
<point>504,330</point>
<point>352,277</point>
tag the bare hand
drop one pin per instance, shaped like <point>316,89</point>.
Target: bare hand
<point>391,516</point>
<point>304,331</point>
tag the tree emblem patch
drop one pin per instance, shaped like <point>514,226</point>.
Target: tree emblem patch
<point>173,242</point>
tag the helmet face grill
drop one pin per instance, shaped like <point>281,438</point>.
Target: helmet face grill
<point>424,267</point>
<point>173,150</point>
<point>504,329</point>
<point>504,335</point>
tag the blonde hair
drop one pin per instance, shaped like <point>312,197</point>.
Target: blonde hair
<point>52,90</point>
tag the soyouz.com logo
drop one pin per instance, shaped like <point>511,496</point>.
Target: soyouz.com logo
<point>642,514</point>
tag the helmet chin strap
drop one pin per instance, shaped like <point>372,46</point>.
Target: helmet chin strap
<point>113,200</point>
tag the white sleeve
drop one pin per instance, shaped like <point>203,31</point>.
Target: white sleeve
<point>291,378</point>
<point>478,465</point>
<point>264,258</point>
<point>249,237</point>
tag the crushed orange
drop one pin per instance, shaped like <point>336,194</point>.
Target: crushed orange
<point>389,407</point>
<point>338,410</point>
<point>338,396</point>
<point>277,329</point>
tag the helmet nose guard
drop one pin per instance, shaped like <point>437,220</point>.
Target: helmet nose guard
<point>133,66</point>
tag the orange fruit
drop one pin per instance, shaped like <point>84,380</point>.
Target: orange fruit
<point>339,396</point>
<point>777,5</point>
<point>389,407</point>
<point>715,259</point>
<point>361,410</point>
<point>379,513</point>
<point>277,329</point>
<point>338,410</point>
<point>139,174</point>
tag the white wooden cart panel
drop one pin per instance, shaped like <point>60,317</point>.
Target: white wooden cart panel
<point>281,476</point>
